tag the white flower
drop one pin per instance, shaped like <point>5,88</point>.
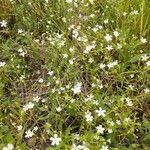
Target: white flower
<point>89,48</point>
<point>28,106</point>
<point>29,133</point>
<point>2,64</point>
<point>88,116</point>
<point>106,21</point>
<point>91,60</point>
<point>40,80</point>
<point>144,57</point>
<point>71,49</point>
<point>95,29</point>
<point>124,13</point>
<point>108,37</point>
<point>109,47</point>
<point>116,33</point>
<point>100,129</point>
<point>36,99</point>
<point>19,128</point>
<point>100,112</point>
<point>50,72</point>
<point>65,56</point>
<point>100,86</point>
<point>20,31</point>
<point>127,120</point>
<point>77,88</point>
<point>134,12</point>
<point>3,23</point>
<point>8,147</point>
<point>79,147</point>
<point>148,63</point>
<point>35,128</point>
<point>69,1</point>
<point>118,122</point>
<point>59,109</point>
<point>89,98</point>
<point>91,1</point>
<point>71,61</point>
<point>132,75</point>
<point>55,140</point>
<point>112,64</point>
<point>102,66</point>
<point>146,90</point>
<point>109,130</point>
<point>128,101</point>
<point>104,147</point>
<point>143,40</point>
<point>20,50</point>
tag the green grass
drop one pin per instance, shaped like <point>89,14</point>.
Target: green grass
<point>59,79</point>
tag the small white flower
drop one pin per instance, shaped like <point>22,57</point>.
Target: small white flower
<point>71,49</point>
<point>65,56</point>
<point>102,66</point>
<point>55,140</point>
<point>124,13</point>
<point>20,50</point>
<point>40,80</point>
<point>59,109</point>
<point>28,106</point>
<point>20,31</point>
<point>43,100</point>
<point>8,147</point>
<point>116,33</point>
<point>3,23</point>
<point>88,116</point>
<point>71,61</point>
<point>127,120</point>
<point>100,86</point>
<point>100,112</point>
<point>134,12</point>
<point>106,21</point>
<point>92,15</point>
<point>36,99</point>
<point>132,75</point>
<point>104,147</point>
<point>100,129</point>
<point>50,72</point>
<point>35,128</point>
<point>29,133</point>
<point>143,40</point>
<point>2,64</point>
<point>19,128</point>
<point>110,130</point>
<point>112,64</point>
<point>108,37</point>
<point>109,47</point>
<point>118,122</point>
<point>89,48</point>
<point>91,60</point>
<point>77,88</point>
<point>69,1</point>
<point>128,101</point>
<point>144,57</point>
<point>146,90</point>
<point>148,63</point>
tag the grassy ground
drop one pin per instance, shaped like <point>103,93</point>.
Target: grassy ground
<point>74,74</point>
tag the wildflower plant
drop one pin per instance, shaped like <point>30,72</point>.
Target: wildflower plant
<point>74,75</point>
